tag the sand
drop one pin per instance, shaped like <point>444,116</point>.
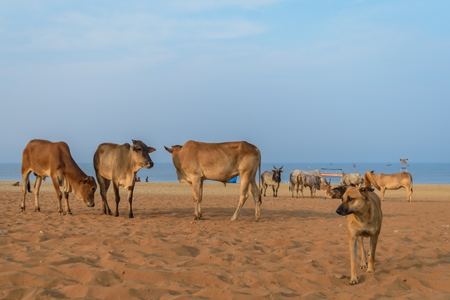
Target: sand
<point>297,250</point>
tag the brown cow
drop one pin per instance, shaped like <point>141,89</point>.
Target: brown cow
<point>197,161</point>
<point>119,164</point>
<point>48,159</point>
<point>389,182</point>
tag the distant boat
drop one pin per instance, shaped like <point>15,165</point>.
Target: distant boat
<point>388,165</point>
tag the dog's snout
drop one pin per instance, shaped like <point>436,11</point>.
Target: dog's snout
<point>341,210</point>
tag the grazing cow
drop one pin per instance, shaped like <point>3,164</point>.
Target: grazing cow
<point>354,179</point>
<point>197,161</point>
<point>295,182</point>
<point>53,159</point>
<point>311,181</point>
<point>273,179</point>
<point>333,193</point>
<point>119,164</point>
<point>385,182</point>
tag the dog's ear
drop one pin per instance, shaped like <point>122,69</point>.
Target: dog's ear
<point>365,190</point>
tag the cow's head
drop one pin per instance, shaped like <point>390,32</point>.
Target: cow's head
<point>140,153</point>
<point>326,186</point>
<point>277,174</point>
<point>86,190</point>
<point>317,182</point>
<point>175,150</point>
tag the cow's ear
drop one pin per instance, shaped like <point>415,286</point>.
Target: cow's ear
<point>170,150</point>
<point>151,149</point>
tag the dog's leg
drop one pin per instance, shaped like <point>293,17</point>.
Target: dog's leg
<point>363,264</point>
<point>352,247</point>
<point>373,247</point>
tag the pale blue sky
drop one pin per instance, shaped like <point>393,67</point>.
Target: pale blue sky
<point>305,81</point>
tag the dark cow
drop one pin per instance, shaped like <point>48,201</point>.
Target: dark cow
<point>198,161</point>
<point>311,181</point>
<point>53,159</point>
<point>273,179</point>
<point>119,164</point>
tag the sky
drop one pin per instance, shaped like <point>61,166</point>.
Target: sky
<point>304,81</point>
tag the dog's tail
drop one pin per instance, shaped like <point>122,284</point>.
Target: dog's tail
<point>369,180</point>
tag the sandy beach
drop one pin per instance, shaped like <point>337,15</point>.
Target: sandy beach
<point>299,248</point>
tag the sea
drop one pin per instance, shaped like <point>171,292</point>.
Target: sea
<point>422,173</point>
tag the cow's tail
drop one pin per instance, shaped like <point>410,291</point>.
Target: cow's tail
<point>411,178</point>
<point>369,180</point>
<point>259,182</point>
<point>28,186</point>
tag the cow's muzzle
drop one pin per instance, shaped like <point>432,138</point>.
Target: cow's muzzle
<point>149,165</point>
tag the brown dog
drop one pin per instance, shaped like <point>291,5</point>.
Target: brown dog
<point>363,210</point>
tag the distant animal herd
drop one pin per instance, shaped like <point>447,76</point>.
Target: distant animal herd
<point>196,162</point>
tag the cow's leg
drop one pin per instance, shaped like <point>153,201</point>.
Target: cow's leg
<point>104,186</point>
<point>264,187</point>
<point>117,197</point>
<point>66,200</point>
<point>197,191</point>
<point>409,192</point>
<point>37,187</point>
<point>383,189</point>
<point>25,184</point>
<point>58,192</point>
<point>242,198</point>
<point>130,201</point>
<point>274,192</point>
<point>257,198</point>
